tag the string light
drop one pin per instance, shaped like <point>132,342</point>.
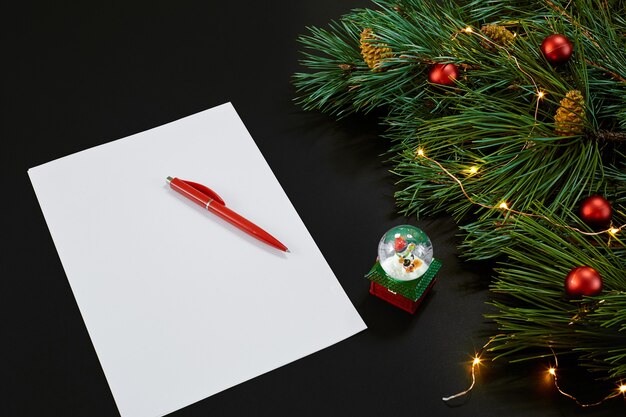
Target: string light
<point>540,93</point>
<point>475,362</point>
<point>467,29</point>
<point>505,207</point>
<point>473,170</point>
<point>621,389</point>
<point>613,231</point>
<point>552,372</point>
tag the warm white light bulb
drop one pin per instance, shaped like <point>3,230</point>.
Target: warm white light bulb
<point>613,231</point>
<point>552,371</point>
<point>504,206</point>
<point>476,361</point>
<point>468,30</point>
<point>541,94</point>
<point>420,152</point>
<point>622,388</point>
<point>473,170</point>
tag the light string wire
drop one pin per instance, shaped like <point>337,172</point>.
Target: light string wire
<point>475,362</point>
<point>539,94</point>
<point>612,231</point>
<point>552,371</point>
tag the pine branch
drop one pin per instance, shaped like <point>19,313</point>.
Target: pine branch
<point>608,136</point>
<point>536,314</point>
<point>495,120</point>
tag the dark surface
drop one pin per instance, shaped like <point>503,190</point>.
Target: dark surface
<point>84,74</point>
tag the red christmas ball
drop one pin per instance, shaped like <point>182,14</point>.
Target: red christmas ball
<point>443,74</point>
<point>557,49</point>
<point>596,211</point>
<point>583,280</point>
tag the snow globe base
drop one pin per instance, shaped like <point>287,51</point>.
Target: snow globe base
<point>406,295</point>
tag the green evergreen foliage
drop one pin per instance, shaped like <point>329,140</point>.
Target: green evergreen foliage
<point>494,120</point>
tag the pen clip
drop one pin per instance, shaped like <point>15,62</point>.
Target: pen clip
<point>205,190</point>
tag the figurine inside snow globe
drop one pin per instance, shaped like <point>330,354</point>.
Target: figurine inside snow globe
<point>405,253</point>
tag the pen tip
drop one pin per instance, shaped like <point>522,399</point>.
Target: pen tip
<point>169,179</point>
<point>287,250</point>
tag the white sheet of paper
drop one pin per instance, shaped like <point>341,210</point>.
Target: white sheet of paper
<point>179,304</point>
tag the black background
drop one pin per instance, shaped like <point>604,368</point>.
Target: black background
<point>83,74</point>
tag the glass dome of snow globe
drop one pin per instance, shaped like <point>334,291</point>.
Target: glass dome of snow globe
<point>405,252</point>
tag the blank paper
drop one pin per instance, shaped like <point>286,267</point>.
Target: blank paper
<point>179,304</point>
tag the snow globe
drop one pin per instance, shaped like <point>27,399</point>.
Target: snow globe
<point>405,269</point>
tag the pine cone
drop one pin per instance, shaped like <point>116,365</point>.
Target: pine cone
<point>373,55</point>
<point>499,34</point>
<point>570,116</point>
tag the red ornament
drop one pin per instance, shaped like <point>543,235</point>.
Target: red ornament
<point>557,49</point>
<point>443,74</point>
<point>583,280</point>
<point>596,211</point>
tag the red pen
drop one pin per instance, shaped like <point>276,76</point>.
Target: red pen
<point>207,198</point>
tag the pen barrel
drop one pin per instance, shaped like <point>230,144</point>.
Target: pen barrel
<point>245,225</point>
